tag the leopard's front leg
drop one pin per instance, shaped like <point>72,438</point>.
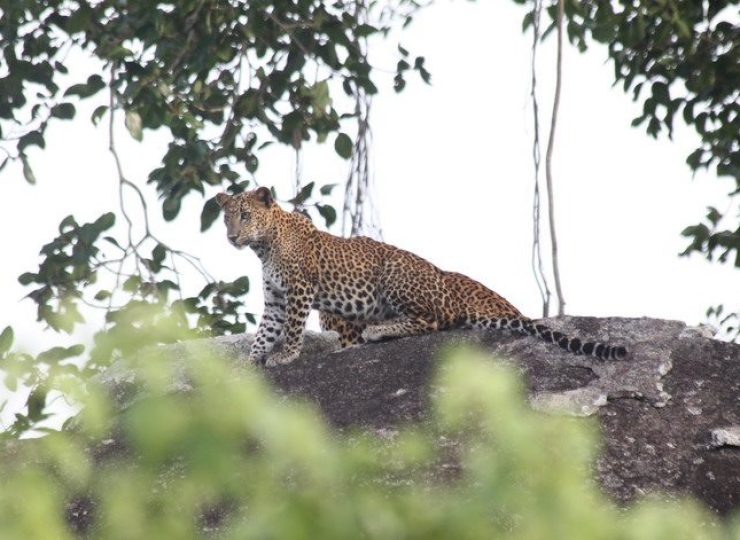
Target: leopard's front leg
<point>298,304</point>
<point>271,325</point>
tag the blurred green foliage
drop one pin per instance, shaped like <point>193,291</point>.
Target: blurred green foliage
<point>229,459</point>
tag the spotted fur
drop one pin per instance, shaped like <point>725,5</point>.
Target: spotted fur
<point>364,289</point>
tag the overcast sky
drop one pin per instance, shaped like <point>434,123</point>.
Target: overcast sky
<point>453,181</point>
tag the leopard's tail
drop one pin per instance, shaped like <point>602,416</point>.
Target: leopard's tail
<point>602,351</point>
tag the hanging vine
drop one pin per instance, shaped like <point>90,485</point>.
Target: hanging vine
<point>533,19</point>
<point>548,161</point>
<point>537,264</point>
<point>358,213</point>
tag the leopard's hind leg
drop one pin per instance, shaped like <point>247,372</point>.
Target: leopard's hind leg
<point>398,328</point>
<point>350,332</point>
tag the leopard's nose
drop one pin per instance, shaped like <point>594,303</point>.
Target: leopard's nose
<point>232,238</point>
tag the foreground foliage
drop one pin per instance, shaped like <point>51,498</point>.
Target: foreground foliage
<point>232,460</point>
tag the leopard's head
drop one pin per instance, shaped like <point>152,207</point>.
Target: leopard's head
<point>249,216</point>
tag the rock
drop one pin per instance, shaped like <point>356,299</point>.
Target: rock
<point>669,412</point>
<point>727,436</point>
<point>121,379</point>
<point>579,402</point>
<point>656,408</point>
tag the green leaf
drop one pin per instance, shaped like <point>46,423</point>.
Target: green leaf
<point>102,295</point>
<point>27,171</point>
<point>320,95</point>
<point>63,110</point>
<point>158,254</point>
<point>343,145</point>
<point>113,241</point>
<point>98,114</point>
<point>365,30</point>
<point>328,213</point>
<point>660,92</point>
<point>36,403</point>
<point>6,340</point>
<point>31,138</point>
<point>207,290</point>
<point>327,189</point>
<point>210,213</point>
<point>167,285</point>
<point>682,27</point>
<point>248,103</point>
<point>133,124</point>
<point>67,223</point>
<point>252,163</point>
<point>131,284</point>
<point>637,121</point>
<point>241,285</point>
<point>171,207</point>
<point>56,354</point>
<point>27,277</point>
<point>303,195</point>
<point>527,20</point>
<point>402,65</point>
<point>77,90</point>
<point>106,221</point>
<point>713,215</point>
<point>120,52</point>
<point>694,159</point>
<point>605,33</point>
<point>61,68</point>
<point>700,232</point>
<point>653,127</point>
<point>94,84</point>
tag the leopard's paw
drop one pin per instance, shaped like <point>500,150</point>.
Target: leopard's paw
<point>281,358</point>
<point>373,333</point>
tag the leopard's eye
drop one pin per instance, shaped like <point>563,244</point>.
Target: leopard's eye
<point>245,216</point>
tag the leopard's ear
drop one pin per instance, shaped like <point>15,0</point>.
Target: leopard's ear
<point>222,199</point>
<point>264,195</point>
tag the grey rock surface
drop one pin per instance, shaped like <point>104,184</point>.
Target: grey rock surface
<point>669,413</point>
<point>726,436</point>
<point>121,378</point>
<point>656,408</point>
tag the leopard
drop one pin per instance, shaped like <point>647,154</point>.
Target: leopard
<point>364,289</point>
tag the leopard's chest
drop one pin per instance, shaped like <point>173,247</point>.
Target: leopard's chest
<point>275,275</point>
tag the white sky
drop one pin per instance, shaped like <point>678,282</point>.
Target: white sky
<point>453,177</point>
